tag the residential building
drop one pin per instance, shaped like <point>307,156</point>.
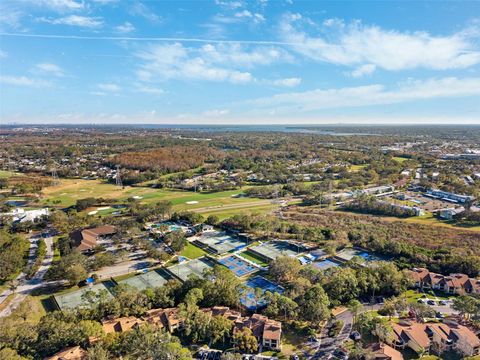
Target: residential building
<point>435,337</point>
<point>384,352</point>
<point>71,353</point>
<point>448,196</point>
<point>20,215</point>
<point>121,324</point>
<point>268,332</point>
<point>452,284</point>
<point>86,239</point>
<point>450,213</point>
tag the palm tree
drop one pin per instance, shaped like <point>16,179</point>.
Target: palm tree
<point>355,307</point>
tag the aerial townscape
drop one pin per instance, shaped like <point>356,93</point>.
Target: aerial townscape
<point>239,180</point>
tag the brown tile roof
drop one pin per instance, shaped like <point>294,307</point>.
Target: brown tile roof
<point>120,324</point>
<point>467,335</point>
<point>87,238</point>
<point>71,353</point>
<point>385,352</point>
<point>414,331</point>
<point>272,330</point>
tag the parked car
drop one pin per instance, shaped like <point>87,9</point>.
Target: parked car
<point>421,301</point>
<point>355,335</point>
<point>439,315</point>
<point>431,302</point>
<point>341,354</point>
<point>443,302</point>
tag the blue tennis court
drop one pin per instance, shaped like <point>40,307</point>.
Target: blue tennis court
<point>238,266</point>
<point>248,299</point>
<point>325,264</point>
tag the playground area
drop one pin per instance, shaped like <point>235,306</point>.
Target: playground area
<point>217,242</point>
<point>151,279</point>
<point>238,266</point>
<point>273,249</point>
<point>196,267</point>
<point>248,299</point>
<point>77,298</point>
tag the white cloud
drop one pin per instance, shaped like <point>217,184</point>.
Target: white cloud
<point>356,44</point>
<point>287,82</point>
<point>50,68</point>
<point>220,62</point>
<point>216,113</point>
<point>363,70</point>
<point>256,17</point>
<point>110,87</point>
<point>125,28</point>
<point>24,81</point>
<point>149,89</point>
<point>9,16</point>
<point>60,5</point>
<point>3,54</point>
<point>376,94</point>
<point>229,4</point>
<point>140,9</point>
<point>75,20</point>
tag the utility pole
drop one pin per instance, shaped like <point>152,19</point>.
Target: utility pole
<point>55,180</point>
<point>118,179</point>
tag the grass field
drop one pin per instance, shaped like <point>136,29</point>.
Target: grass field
<point>253,258</point>
<point>7,174</point>
<point>399,159</point>
<point>192,252</point>
<point>71,190</point>
<point>357,168</point>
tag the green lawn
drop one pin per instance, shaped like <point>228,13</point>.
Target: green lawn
<point>7,174</point>
<point>253,258</point>
<point>357,168</point>
<point>399,159</point>
<point>192,252</point>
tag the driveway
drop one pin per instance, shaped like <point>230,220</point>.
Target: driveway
<point>27,286</point>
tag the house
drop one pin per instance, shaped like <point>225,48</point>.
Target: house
<point>86,239</point>
<point>435,337</point>
<point>121,324</point>
<point>384,352</point>
<point>71,353</point>
<point>20,215</point>
<point>452,284</point>
<point>450,213</point>
<point>268,332</point>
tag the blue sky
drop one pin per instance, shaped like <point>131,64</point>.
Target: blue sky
<point>239,62</point>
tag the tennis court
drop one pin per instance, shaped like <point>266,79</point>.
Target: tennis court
<point>238,266</point>
<point>197,267</point>
<point>216,242</point>
<point>273,249</point>
<point>325,264</point>
<point>348,254</point>
<point>76,298</point>
<point>146,280</point>
<point>248,298</point>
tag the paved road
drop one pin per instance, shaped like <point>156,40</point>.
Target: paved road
<point>21,277</point>
<point>27,286</point>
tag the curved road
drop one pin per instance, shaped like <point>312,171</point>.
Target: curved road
<point>27,286</point>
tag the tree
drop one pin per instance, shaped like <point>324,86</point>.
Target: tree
<point>280,305</point>
<point>98,352</point>
<point>10,354</point>
<point>355,307</point>
<point>284,269</point>
<point>467,306</point>
<point>148,342</point>
<point>219,329</point>
<point>221,287</point>
<point>176,240</point>
<point>314,305</point>
<point>245,341</point>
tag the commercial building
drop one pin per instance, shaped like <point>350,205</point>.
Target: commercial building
<point>86,239</point>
